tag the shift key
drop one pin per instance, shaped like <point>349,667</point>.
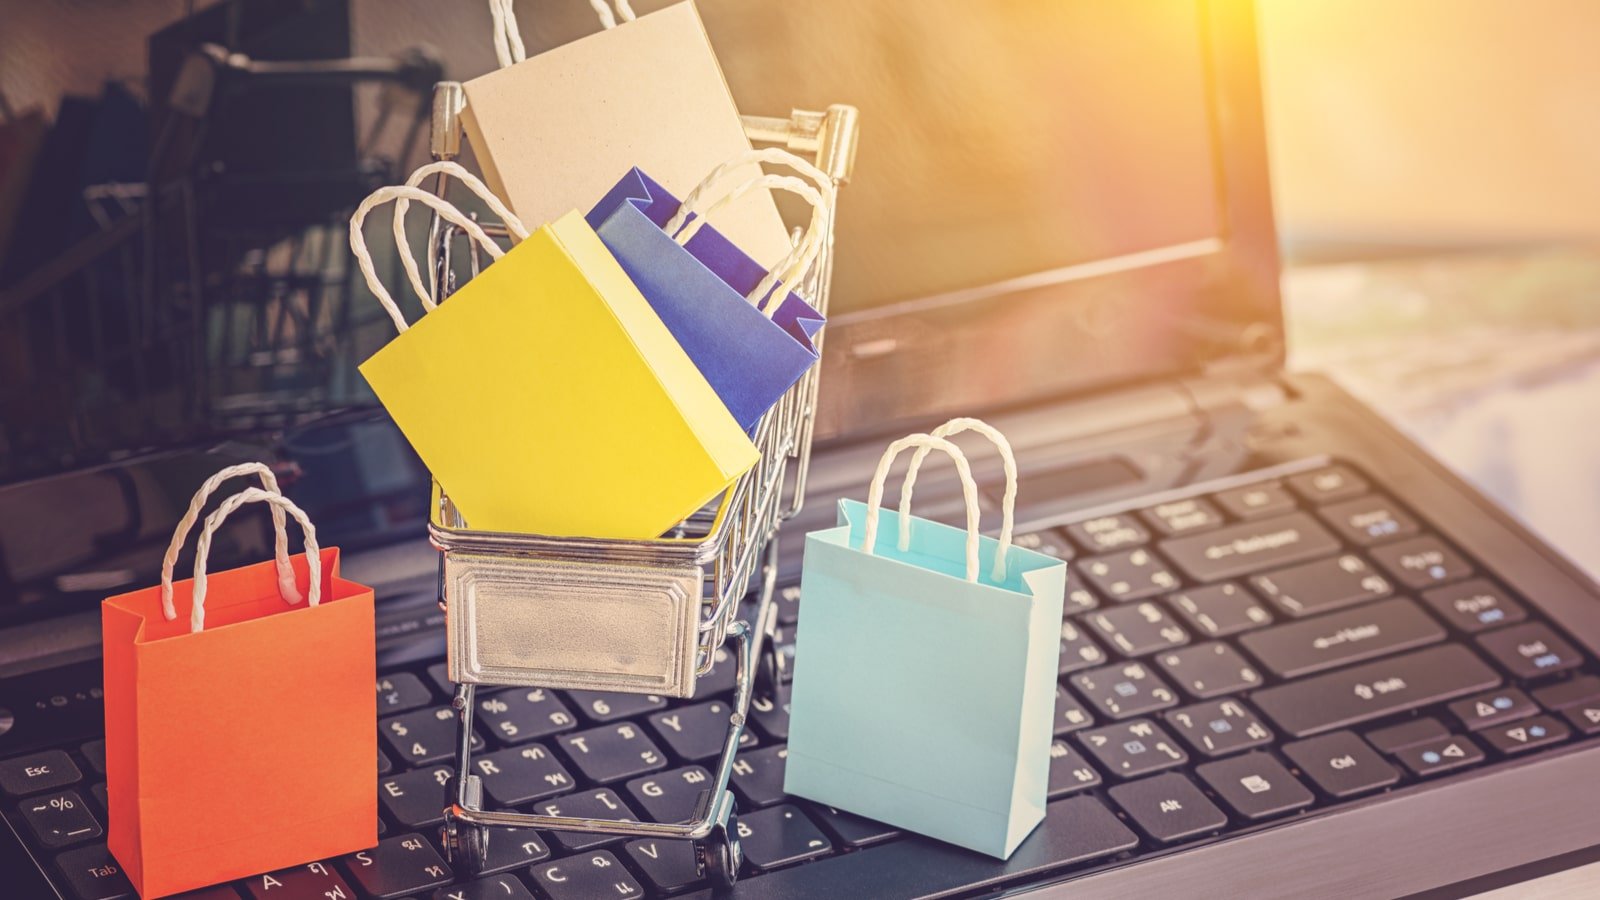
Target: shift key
<point>1371,691</point>
<point>1251,547</point>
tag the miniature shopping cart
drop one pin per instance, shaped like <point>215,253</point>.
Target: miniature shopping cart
<point>638,616</point>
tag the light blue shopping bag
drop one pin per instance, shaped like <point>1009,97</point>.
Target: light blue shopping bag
<point>924,685</point>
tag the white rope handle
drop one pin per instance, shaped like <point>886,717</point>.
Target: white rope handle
<point>968,488</point>
<point>358,240</point>
<point>197,617</point>
<point>791,268</point>
<point>1008,506</point>
<point>280,544</point>
<point>402,205</point>
<point>508,46</point>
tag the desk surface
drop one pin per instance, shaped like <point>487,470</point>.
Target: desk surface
<point>1491,362</point>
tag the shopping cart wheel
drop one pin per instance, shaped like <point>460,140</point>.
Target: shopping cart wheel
<point>718,856</point>
<point>465,845</point>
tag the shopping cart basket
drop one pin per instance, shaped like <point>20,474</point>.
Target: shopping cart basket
<point>640,616</point>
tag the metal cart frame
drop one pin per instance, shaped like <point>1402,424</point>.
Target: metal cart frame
<point>711,557</point>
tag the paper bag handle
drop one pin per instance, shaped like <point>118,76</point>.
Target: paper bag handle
<point>1008,506</point>
<point>358,240</point>
<point>269,483</point>
<point>792,267</point>
<point>402,205</point>
<point>508,47</point>
<point>197,616</point>
<point>969,489</point>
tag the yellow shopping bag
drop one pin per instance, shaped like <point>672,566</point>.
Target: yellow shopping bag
<point>546,396</point>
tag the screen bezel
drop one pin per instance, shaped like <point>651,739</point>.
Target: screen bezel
<point>1065,334</point>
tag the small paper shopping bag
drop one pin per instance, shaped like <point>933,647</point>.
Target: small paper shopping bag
<point>941,639</point>
<point>239,736</point>
<point>546,396</point>
<point>551,131</point>
<point>747,332</point>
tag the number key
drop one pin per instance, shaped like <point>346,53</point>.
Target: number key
<point>423,736</point>
<point>609,706</point>
<point>523,714</point>
<point>400,692</point>
<point>1109,533</point>
<point>60,819</point>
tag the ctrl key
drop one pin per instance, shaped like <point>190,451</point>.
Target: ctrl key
<point>397,866</point>
<point>94,874</point>
<point>587,875</point>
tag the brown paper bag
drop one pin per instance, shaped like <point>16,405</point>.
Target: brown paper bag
<point>553,132</point>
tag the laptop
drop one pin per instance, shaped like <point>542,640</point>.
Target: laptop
<point>1300,658</point>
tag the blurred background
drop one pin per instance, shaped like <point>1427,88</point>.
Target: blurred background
<point>1435,163</point>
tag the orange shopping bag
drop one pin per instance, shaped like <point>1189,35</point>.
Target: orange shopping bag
<point>239,738</point>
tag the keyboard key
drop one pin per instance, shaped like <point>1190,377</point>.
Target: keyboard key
<point>439,674</point>
<point>724,672</point>
<point>423,736</point>
<point>1255,501</point>
<point>398,866</point>
<point>787,598</point>
<point>520,715</point>
<point>758,777</point>
<point>1369,520</point>
<point>520,775</point>
<point>1475,605</point>
<point>850,829</point>
<point>1124,690</point>
<point>1049,542</point>
<point>1422,562</point>
<point>94,874</point>
<point>384,765</point>
<point>596,804</point>
<point>512,848</point>
<point>780,836</point>
<point>95,753</point>
<point>1078,650</point>
<point>312,881</point>
<point>1168,807</point>
<point>771,714</point>
<point>1129,575</point>
<point>1493,708</point>
<point>1209,670</point>
<point>23,775</point>
<point>1138,628</point>
<point>98,792</point>
<point>400,692</point>
<point>697,732</point>
<point>418,797</point>
<point>60,819</point>
<point>1341,764</point>
<point>495,887</point>
<point>670,796</point>
<point>1407,734</point>
<point>1353,635</point>
<point>1530,650</point>
<point>1132,749</point>
<point>1070,714</point>
<point>609,706</point>
<point>1069,771</point>
<point>1255,786</point>
<point>1079,598</point>
<point>1584,716</point>
<point>1322,586</point>
<point>1183,516</point>
<point>1373,690</point>
<point>1074,830</point>
<point>1219,610</point>
<point>667,866</point>
<point>1528,734</point>
<point>1219,727</point>
<point>1572,692</point>
<point>1440,755</point>
<point>612,752</point>
<point>1250,547</point>
<point>1107,533</point>
<point>1328,484</point>
<point>585,877</point>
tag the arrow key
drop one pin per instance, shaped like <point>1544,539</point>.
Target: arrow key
<point>1493,708</point>
<point>1520,737</point>
<point>1440,755</point>
<point>1585,717</point>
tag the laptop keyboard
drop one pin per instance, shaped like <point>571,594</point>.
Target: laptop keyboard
<point>1230,659</point>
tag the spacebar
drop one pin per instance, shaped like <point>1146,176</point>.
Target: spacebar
<point>1074,830</point>
<point>1362,693</point>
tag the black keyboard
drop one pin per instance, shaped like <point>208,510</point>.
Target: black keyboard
<point>1230,659</point>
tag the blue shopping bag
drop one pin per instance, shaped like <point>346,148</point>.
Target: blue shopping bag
<point>750,353</point>
<point>941,640</point>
